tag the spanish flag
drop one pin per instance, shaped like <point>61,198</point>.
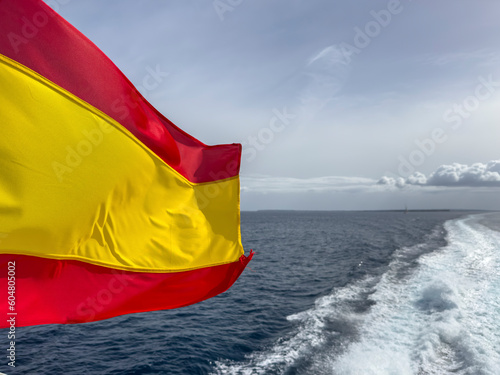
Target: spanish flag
<point>106,207</point>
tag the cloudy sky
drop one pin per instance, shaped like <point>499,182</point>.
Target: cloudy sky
<point>361,104</point>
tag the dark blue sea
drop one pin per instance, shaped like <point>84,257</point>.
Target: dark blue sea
<point>347,293</point>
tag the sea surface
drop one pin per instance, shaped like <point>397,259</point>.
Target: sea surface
<point>347,293</point>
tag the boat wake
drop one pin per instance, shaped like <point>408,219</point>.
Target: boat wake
<point>434,311</point>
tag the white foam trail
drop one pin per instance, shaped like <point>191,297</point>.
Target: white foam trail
<point>444,318</point>
<point>310,335</point>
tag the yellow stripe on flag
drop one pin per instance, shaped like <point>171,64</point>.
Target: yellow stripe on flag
<point>75,184</point>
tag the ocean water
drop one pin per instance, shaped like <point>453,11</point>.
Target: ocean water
<point>342,293</point>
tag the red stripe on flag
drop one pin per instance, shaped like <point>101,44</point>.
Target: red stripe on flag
<point>51,291</point>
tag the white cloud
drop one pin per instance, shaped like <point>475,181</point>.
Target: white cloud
<point>452,175</point>
<point>390,181</point>
<point>268,184</point>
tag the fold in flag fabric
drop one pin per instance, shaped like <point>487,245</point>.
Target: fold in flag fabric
<point>106,207</point>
